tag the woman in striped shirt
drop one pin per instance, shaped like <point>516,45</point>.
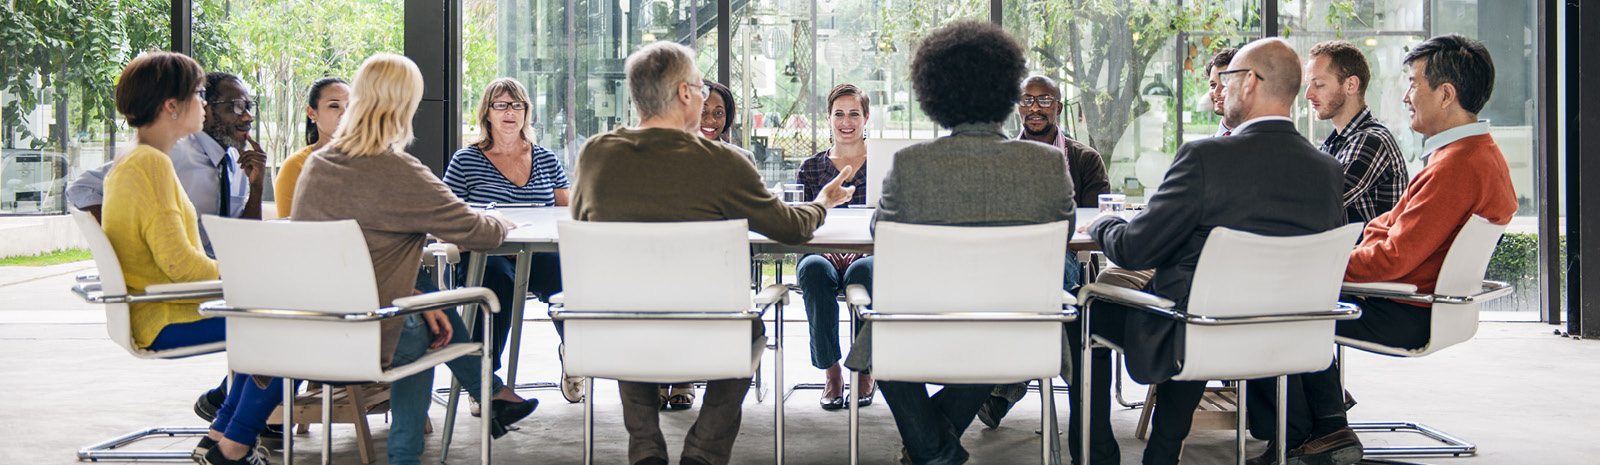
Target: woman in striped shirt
<point>505,166</point>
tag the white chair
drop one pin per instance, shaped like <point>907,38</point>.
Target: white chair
<point>110,289</point>
<point>967,305</point>
<point>1249,291</point>
<point>630,289</point>
<point>1461,290</point>
<point>311,282</point>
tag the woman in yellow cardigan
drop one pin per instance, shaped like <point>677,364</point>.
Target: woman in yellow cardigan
<point>154,230</point>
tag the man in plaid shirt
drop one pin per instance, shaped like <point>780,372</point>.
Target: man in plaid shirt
<point>1374,172</point>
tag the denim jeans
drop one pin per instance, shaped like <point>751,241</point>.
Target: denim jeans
<point>544,280</point>
<point>409,397</point>
<point>819,287</point>
<point>931,427</point>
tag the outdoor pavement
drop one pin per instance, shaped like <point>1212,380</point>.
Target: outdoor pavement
<point>1517,390</point>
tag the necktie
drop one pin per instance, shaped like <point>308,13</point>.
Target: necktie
<point>224,187</point>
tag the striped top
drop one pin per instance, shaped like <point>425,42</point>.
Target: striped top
<point>473,178</point>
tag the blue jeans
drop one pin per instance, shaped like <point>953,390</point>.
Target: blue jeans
<point>409,396</point>
<point>544,280</point>
<point>931,427</point>
<point>244,414</point>
<point>819,287</point>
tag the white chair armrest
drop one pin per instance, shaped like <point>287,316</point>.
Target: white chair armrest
<point>1068,299</point>
<point>212,285</point>
<point>465,295</point>
<point>1123,295</point>
<point>856,294</point>
<point>557,299</point>
<point>772,294</point>
<point>88,278</point>
<point>1381,289</point>
<point>451,252</point>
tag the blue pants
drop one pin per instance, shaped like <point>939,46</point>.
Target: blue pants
<point>931,427</point>
<point>544,280</point>
<point>204,331</point>
<point>820,285</point>
<point>409,397</point>
<point>244,414</point>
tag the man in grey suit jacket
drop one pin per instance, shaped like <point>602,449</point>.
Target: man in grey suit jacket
<point>1265,179</point>
<point>976,176</point>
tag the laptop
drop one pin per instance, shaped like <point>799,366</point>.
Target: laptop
<point>880,157</point>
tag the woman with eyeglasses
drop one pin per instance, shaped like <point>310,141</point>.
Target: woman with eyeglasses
<point>505,166</point>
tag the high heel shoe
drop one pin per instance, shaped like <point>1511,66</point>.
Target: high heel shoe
<point>507,412</point>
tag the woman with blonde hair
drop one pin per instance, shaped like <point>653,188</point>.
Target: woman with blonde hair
<point>505,166</point>
<point>363,174</point>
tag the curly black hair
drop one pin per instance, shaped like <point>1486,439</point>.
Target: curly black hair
<point>968,72</point>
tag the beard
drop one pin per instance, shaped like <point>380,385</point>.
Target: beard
<point>1048,129</point>
<point>224,137</point>
<point>1332,107</point>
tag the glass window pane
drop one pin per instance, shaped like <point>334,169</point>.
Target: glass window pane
<point>279,59</point>
<point>56,113</point>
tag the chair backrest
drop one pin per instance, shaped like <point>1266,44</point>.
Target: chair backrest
<point>880,157</point>
<point>1242,274</point>
<point>314,266</point>
<point>700,266</point>
<point>967,269</point>
<point>696,266</point>
<point>1462,275</point>
<point>111,281</point>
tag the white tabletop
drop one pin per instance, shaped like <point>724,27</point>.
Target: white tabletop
<point>844,229</point>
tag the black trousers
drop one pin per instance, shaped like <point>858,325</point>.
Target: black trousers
<point>1174,414</point>
<point>1316,400</point>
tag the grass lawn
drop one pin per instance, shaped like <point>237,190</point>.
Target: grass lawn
<point>47,258</point>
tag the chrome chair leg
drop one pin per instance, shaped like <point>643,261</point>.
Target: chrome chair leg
<point>1047,420</point>
<point>588,421</point>
<point>288,421</point>
<point>777,376</point>
<point>327,424</point>
<point>1283,416</point>
<point>855,421</point>
<point>1240,433</point>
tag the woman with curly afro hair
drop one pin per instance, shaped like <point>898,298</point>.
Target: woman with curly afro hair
<point>967,77</point>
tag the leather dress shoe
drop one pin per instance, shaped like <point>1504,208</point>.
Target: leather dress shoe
<point>1340,447</point>
<point>832,403</point>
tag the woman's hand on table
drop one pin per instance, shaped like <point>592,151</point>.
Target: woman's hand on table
<point>835,193</point>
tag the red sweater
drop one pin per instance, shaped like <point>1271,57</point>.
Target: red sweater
<point>1408,244</point>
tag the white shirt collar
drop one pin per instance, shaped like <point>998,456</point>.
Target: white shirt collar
<point>1449,136</point>
<point>1240,128</point>
<point>213,150</point>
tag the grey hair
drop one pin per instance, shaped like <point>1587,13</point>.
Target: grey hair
<point>654,73</point>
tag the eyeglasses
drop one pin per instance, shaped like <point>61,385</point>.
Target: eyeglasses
<point>705,90</point>
<point>200,93</point>
<point>502,106</point>
<point>240,105</point>
<point>1225,76</point>
<point>1043,102</point>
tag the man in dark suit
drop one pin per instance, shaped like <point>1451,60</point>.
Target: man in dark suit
<point>1265,179</point>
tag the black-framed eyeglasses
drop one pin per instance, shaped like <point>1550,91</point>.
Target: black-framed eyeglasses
<point>240,105</point>
<point>502,106</point>
<point>1224,77</point>
<point>1043,102</point>
<point>200,93</point>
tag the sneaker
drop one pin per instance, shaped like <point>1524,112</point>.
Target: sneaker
<point>255,456</point>
<point>572,387</point>
<point>1340,447</point>
<point>200,450</point>
<point>476,408</point>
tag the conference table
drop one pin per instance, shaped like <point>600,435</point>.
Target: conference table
<point>845,230</point>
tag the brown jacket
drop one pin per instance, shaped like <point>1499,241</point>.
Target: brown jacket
<point>666,175</point>
<point>398,202</point>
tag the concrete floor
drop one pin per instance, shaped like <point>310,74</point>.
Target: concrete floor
<point>1515,391</point>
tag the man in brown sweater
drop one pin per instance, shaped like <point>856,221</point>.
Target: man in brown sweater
<point>1451,77</point>
<point>661,171</point>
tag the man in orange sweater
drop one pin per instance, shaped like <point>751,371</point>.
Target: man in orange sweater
<point>1451,77</point>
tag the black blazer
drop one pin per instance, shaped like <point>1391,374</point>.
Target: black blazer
<point>1266,179</point>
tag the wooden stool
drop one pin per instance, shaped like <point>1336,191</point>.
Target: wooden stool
<point>351,404</point>
<point>1218,410</point>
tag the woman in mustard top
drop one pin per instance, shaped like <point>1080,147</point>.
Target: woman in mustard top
<point>153,228</point>
<point>324,108</point>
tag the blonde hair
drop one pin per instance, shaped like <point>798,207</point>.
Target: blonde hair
<point>512,88</point>
<point>383,99</point>
<point>654,73</point>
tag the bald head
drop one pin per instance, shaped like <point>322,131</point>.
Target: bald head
<point>1278,66</point>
